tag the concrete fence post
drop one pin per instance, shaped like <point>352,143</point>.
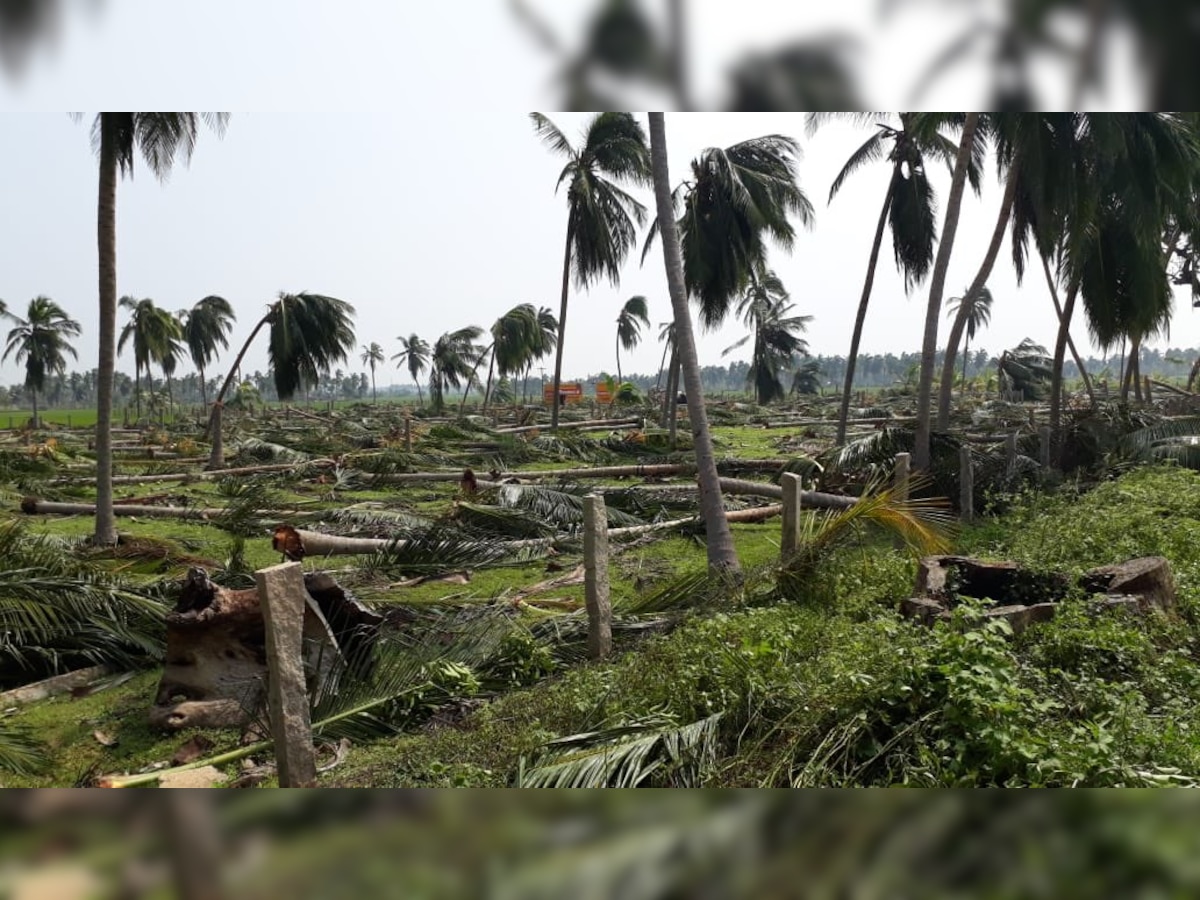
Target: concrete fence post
<point>966,485</point>
<point>283,597</point>
<point>1044,446</point>
<point>792,489</point>
<point>595,576</point>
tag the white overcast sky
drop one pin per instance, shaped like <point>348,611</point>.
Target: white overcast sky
<point>397,169</point>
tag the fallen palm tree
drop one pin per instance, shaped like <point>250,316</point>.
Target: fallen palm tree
<point>32,506</point>
<point>208,475</point>
<point>639,470</point>
<point>630,421</point>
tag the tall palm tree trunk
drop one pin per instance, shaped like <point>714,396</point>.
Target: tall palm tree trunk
<point>373,400</point>
<point>671,391</point>
<point>618,363</point>
<point>661,366</point>
<point>1083,372</point>
<point>203,388</point>
<point>487,391</point>
<point>35,408</point>
<point>722,558</point>
<point>106,240</point>
<point>137,389</point>
<point>937,288</point>
<point>966,355</point>
<point>1060,351</point>
<point>964,309</point>
<point>861,318</point>
<point>562,325</point>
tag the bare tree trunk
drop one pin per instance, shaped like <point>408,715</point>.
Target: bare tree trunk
<point>33,393</point>
<point>106,239</point>
<point>673,402</point>
<point>1083,372</point>
<point>487,391</point>
<point>937,288</point>
<point>194,838</point>
<point>203,388</point>
<point>1060,350</point>
<point>562,325</point>
<point>861,318</point>
<point>722,557</point>
<point>981,277</point>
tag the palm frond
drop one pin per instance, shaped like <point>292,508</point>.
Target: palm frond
<point>20,752</point>
<point>443,548</point>
<point>652,749</point>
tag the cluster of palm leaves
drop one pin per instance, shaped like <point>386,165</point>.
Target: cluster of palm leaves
<point>40,341</point>
<point>764,307</point>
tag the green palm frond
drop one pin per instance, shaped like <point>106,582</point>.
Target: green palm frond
<point>369,522</point>
<point>924,525</point>
<point>654,749</point>
<point>443,548</point>
<point>502,521</point>
<point>395,682</point>
<point>56,611</point>
<point>20,751</point>
<point>1177,442</point>
<point>560,507</point>
<point>310,334</point>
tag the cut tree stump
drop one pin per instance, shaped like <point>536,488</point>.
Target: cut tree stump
<point>1023,597</point>
<point>215,670</point>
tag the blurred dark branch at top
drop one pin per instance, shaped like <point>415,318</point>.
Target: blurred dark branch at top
<point>28,25</point>
<point>1033,53</point>
<point>624,48</point>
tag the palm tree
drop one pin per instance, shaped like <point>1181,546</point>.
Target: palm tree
<point>764,307</point>
<point>309,333</point>
<point>807,378</point>
<point>155,334</point>
<point>517,337</point>
<point>633,316</point>
<point>937,288</point>
<point>602,219</point>
<point>737,198</point>
<point>206,329</point>
<point>452,361</point>
<point>162,137</point>
<point>416,355</point>
<point>909,206</point>
<point>372,356</point>
<point>976,310</point>
<point>40,341</point>
<point>547,340</point>
<point>722,557</point>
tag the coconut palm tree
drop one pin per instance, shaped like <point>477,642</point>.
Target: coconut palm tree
<point>452,361</point>
<point>937,287</point>
<point>372,356</point>
<point>155,334</point>
<point>416,355</point>
<point>633,316</point>
<point>40,341</point>
<point>309,333</point>
<point>546,343</point>
<point>722,557</point>
<point>162,137</point>
<point>206,330</point>
<point>602,219</point>
<point>764,308</point>
<point>516,338</point>
<point>909,205</point>
<point>737,198</point>
<point>977,315</point>
<point>807,378</point>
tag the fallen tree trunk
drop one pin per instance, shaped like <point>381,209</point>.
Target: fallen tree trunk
<point>811,499</point>
<point>32,506</point>
<point>1172,388</point>
<point>207,476</point>
<point>651,470</point>
<point>589,423</point>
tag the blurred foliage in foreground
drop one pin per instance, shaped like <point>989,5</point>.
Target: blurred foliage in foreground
<point>865,844</point>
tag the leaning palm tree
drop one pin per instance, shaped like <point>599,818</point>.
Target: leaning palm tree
<point>722,557</point>
<point>206,329</point>
<point>909,205</point>
<point>976,310</point>
<point>372,356</point>
<point>737,199</point>
<point>764,308</point>
<point>937,288</point>
<point>416,355</point>
<point>309,333</point>
<point>633,316</point>
<point>162,137</point>
<point>602,219</point>
<point>155,334</point>
<point>40,342</point>
<point>516,339</point>
<point>451,362</point>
